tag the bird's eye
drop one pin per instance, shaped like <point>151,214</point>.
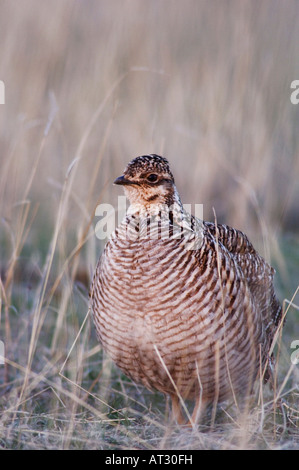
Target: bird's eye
<point>152,177</point>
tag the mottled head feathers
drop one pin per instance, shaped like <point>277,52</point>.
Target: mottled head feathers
<point>148,180</point>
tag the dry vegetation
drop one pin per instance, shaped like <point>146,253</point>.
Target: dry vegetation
<point>89,85</point>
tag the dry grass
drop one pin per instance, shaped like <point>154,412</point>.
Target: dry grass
<point>90,85</point>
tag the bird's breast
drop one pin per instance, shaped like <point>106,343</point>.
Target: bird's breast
<point>157,301</point>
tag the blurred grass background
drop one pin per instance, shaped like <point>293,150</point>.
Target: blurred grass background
<point>90,85</point>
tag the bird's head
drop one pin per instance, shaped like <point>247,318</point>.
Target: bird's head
<point>148,182</point>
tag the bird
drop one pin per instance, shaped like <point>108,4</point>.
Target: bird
<point>182,305</point>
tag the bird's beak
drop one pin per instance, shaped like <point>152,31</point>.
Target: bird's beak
<point>123,181</point>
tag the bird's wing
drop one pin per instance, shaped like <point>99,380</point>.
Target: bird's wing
<point>258,273</point>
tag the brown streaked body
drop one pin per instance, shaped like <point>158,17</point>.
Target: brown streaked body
<point>182,305</point>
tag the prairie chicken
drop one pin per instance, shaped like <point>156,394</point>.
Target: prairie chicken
<point>183,306</point>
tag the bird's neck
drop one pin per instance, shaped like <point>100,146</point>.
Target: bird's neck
<point>162,221</point>
<point>147,209</point>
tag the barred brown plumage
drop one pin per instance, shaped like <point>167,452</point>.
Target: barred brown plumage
<point>183,306</point>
